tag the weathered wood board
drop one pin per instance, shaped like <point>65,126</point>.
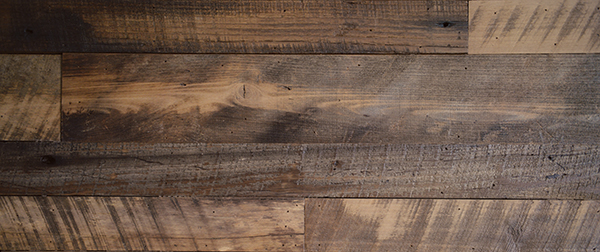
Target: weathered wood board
<point>29,97</point>
<point>331,98</point>
<point>534,26</point>
<point>150,224</point>
<point>310,170</point>
<point>234,26</point>
<point>451,225</point>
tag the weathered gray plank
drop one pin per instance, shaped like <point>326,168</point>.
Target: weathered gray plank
<point>29,97</point>
<point>312,170</point>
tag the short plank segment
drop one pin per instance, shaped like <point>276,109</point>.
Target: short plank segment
<point>534,26</point>
<point>451,225</point>
<point>331,98</point>
<point>312,170</point>
<point>150,224</point>
<point>234,26</point>
<point>29,97</point>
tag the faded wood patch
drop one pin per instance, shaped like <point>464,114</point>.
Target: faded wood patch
<point>150,224</point>
<point>451,225</point>
<point>311,170</point>
<point>29,97</point>
<point>539,26</point>
<point>331,98</point>
<point>232,26</point>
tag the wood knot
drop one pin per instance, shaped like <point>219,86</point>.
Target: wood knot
<point>47,159</point>
<point>445,24</point>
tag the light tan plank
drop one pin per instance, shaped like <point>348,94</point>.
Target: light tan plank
<point>29,97</point>
<point>234,26</point>
<point>451,225</point>
<point>150,224</point>
<point>550,171</point>
<point>470,99</point>
<point>538,26</point>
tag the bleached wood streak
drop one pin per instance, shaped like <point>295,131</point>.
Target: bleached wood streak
<point>538,26</point>
<point>451,225</point>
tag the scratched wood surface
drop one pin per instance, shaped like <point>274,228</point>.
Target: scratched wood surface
<point>554,171</point>
<point>451,225</point>
<point>331,98</point>
<point>534,26</point>
<point>29,97</point>
<point>232,26</point>
<point>150,224</point>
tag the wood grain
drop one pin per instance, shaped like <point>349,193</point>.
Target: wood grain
<point>311,170</point>
<point>438,99</point>
<point>29,97</point>
<point>232,26</point>
<point>150,224</point>
<point>451,225</point>
<point>538,26</point>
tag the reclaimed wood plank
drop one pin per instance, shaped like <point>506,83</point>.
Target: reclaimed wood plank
<point>29,97</point>
<point>150,224</point>
<point>451,225</point>
<point>232,26</point>
<point>539,26</point>
<point>440,99</point>
<point>553,171</point>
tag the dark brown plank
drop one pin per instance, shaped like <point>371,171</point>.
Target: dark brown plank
<point>233,26</point>
<point>331,98</point>
<point>29,97</point>
<point>150,224</point>
<point>313,170</point>
<point>451,225</point>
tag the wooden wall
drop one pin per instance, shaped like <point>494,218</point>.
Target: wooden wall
<point>313,125</point>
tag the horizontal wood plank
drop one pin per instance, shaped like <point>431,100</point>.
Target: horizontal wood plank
<point>451,225</point>
<point>311,170</point>
<point>331,98</point>
<point>534,26</point>
<point>233,26</point>
<point>150,224</point>
<point>29,97</point>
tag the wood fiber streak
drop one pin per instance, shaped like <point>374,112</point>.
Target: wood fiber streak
<point>233,26</point>
<point>470,99</point>
<point>310,170</point>
<point>535,26</point>
<point>150,224</point>
<point>29,97</point>
<point>451,225</point>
